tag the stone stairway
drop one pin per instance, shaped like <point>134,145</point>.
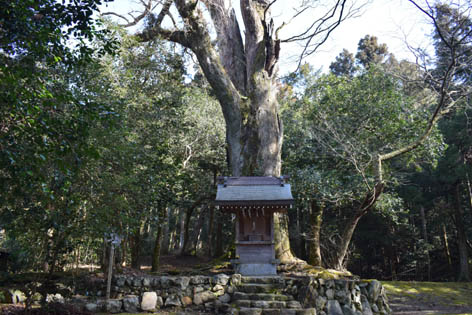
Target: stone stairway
<point>264,296</point>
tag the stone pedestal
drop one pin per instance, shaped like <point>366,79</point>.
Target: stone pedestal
<point>255,268</point>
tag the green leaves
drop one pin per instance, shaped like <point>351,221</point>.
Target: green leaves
<point>355,119</point>
<point>44,120</point>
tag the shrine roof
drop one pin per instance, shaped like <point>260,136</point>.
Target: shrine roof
<point>253,190</point>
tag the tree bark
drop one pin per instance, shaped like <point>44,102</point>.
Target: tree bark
<point>136,247</point>
<point>157,245</point>
<point>425,238</point>
<point>198,227</point>
<point>283,251</point>
<point>316,218</point>
<point>219,237</point>
<point>464,272</point>
<point>188,215</point>
<point>369,201</point>
<point>445,241</point>
<point>182,229</point>
<point>210,231</point>
<point>469,187</point>
<point>166,235</point>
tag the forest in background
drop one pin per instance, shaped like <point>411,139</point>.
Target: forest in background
<point>102,133</point>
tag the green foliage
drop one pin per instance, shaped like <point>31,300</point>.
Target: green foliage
<point>336,128</point>
<point>344,64</point>
<point>354,119</point>
<point>370,52</point>
<point>44,122</point>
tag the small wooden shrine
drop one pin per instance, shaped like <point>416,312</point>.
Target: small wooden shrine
<point>254,200</point>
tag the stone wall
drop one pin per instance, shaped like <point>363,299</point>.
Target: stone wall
<point>213,294</point>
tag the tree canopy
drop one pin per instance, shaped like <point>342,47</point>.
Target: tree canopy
<point>103,131</point>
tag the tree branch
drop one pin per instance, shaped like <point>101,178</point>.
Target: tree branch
<point>148,7</point>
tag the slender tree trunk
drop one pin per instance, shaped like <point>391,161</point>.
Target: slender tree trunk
<point>464,273</point>
<point>469,189</point>
<point>157,245</point>
<point>166,235</point>
<point>210,231</point>
<point>185,245</point>
<point>182,229</point>
<point>425,238</point>
<point>445,241</point>
<point>393,269</point>
<point>104,256</point>
<point>346,237</point>
<point>58,242</point>
<point>124,249</point>
<point>369,201</point>
<point>303,243</point>
<point>136,247</point>
<point>219,236</point>
<point>198,229</point>
<point>316,218</point>
<point>188,215</point>
<point>295,232</point>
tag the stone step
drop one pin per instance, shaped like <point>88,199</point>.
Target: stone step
<point>260,304</point>
<point>260,288</point>
<point>268,311</point>
<point>261,279</point>
<point>261,296</point>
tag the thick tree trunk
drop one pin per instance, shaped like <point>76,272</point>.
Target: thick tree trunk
<point>316,218</point>
<point>464,272</point>
<point>243,78</point>
<point>282,241</point>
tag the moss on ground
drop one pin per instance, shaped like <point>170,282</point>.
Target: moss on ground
<point>455,293</point>
<point>323,273</point>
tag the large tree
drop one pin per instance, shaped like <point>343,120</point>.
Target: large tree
<point>242,73</point>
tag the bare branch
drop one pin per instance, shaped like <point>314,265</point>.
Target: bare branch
<point>117,15</point>
<point>148,7</point>
<point>318,32</point>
